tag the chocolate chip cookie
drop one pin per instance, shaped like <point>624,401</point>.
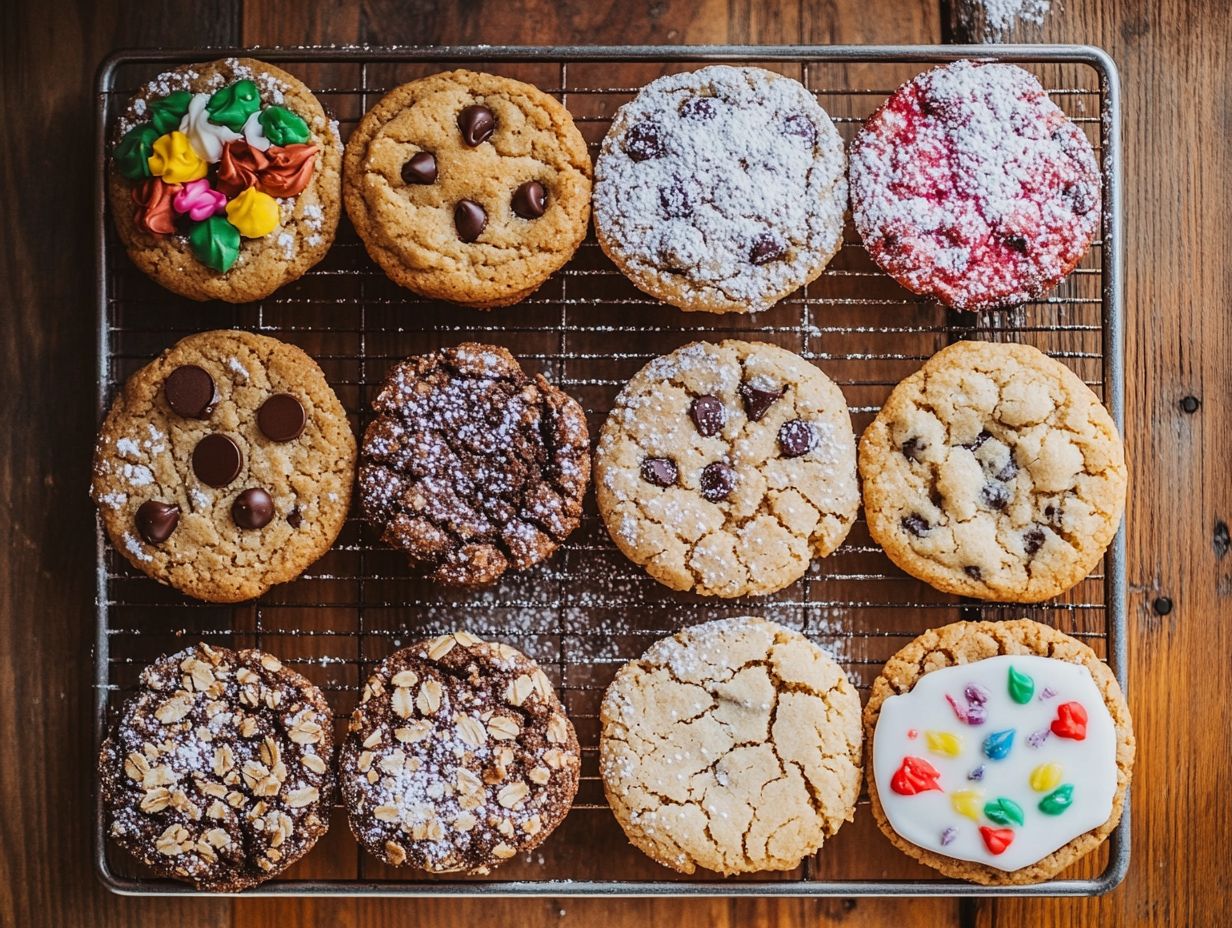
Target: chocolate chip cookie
<point>724,468</point>
<point>219,770</point>
<point>733,745</point>
<point>994,472</point>
<point>721,190</point>
<point>458,757</point>
<point>468,187</point>
<point>225,466</point>
<point>470,466</point>
<point>225,179</point>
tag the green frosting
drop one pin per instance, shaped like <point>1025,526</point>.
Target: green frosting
<point>1058,800</point>
<point>132,155</point>
<point>1021,687</point>
<point>232,105</point>
<point>215,242</point>
<point>167,112</point>
<point>282,127</point>
<point>1004,811</point>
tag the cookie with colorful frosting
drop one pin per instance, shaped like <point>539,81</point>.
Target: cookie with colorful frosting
<point>999,752</point>
<point>225,179</point>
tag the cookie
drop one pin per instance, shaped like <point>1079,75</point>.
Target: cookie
<point>468,187</point>
<point>225,179</point>
<point>970,186</point>
<point>219,770</point>
<point>724,468</point>
<point>994,472</point>
<point>470,466</point>
<point>1000,752</point>
<point>225,466</point>
<point>721,190</point>
<point>733,745</point>
<point>458,757</point>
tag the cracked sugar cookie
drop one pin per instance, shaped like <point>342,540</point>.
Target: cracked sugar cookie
<point>724,468</point>
<point>470,466</point>
<point>999,752</point>
<point>219,770</point>
<point>225,179</point>
<point>733,745</point>
<point>468,187</point>
<point>225,466</point>
<point>721,190</point>
<point>458,757</point>
<point>994,472</point>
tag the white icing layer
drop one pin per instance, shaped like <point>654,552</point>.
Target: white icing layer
<point>254,132</point>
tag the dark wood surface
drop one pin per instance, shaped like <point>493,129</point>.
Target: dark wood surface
<point>1177,80</point>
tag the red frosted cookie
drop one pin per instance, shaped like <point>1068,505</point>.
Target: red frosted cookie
<point>969,185</point>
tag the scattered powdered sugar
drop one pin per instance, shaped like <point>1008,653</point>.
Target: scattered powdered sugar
<point>238,369</point>
<point>113,500</point>
<point>286,241</point>
<point>136,548</point>
<point>127,447</point>
<point>1004,15</point>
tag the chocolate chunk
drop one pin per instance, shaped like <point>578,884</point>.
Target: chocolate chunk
<point>157,520</point>
<point>766,248</point>
<point>217,460</point>
<point>801,127</point>
<point>717,481</point>
<point>911,449</point>
<point>1008,472</point>
<point>476,124</point>
<point>530,200</point>
<point>1033,539</point>
<point>1016,243</point>
<point>996,495</point>
<point>700,108</point>
<point>756,401</point>
<point>281,418</point>
<point>470,219</point>
<point>252,509</point>
<point>708,414</point>
<point>675,200</point>
<point>659,471</point>
<point>643,142</point>
<point>295,518</point>
<point>421,169</point>
<point>973,572</point>
<point>916,524</point>
<point>796,438</point>
<point>979,440</point>
<point>190,392</point>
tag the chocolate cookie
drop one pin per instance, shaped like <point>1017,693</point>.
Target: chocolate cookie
<point>219,769</point>
<point>721,190</point>
<point>725,468</point>
<point>225,179</point>
<point>468,187</point>
<point>225,466</point>
<point>458,757</point>
<point>470,466</point>
<point>994,472</point>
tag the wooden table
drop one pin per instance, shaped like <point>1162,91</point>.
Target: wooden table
<point>1174,58</point>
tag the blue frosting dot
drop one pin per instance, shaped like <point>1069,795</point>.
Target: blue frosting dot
<point>997,745</point>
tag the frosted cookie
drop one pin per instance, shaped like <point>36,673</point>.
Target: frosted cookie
<point>469,187</point>
<point>470,466</point>
<point>725,468</point>
<point>225,179</point>
<point>994,472</point>
<point>458,757</point>
<point>1000,751</point>
<point>219,770</point>
<point>225,466</point>
<point>970,186</point>
<point>733,746</point>
<point>721,190</point>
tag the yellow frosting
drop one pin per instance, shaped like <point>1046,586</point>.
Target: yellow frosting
<point>967,802</point>
<point>254,213</point>
<point>943,742</point>
<point>175,160</point>
<point>1045,777</point>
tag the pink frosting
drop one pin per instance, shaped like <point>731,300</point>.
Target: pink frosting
<point>199,200</point>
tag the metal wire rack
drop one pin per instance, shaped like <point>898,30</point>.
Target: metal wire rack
<point>588,610</point>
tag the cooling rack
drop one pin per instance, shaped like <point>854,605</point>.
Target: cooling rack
<point>588,610</point>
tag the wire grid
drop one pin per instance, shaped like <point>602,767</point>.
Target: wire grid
<point>588,610</point>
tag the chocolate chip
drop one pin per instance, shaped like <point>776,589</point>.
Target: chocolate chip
<point>281,418</point>
<point>766,248</point>
<point>1008,472</point>
<point>979,440</point>
<point>659,471</point>
<point>996,495</point>
<point>421,169</point>
<point>717,481</point>
<point>1033,539</point>
<point>157,520</point>
<point>973,572</point>
<point>1081,198</point>
<point>708,414</point>
<point>796,438</point>
<point>801,127</point>
<point>916,524</point>
<point>911,448</point>
<point>756,401</point>
<point>295,518</point>
<point>216,460</point>
<point>476,124</point>
<point>700,108</point>
<point>675,200</point>
<point>469,219</point>
<point>530,200</point>
<point>1052,514</point>
<point>190,392</point>
<point>1016,243</point>
<point>252,509</point>
<point>643,142</point>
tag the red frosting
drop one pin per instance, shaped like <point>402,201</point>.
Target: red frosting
<point>155,213</point>
<point>996,839</point>
<point>240,167</point>
<point>289,170</point>
<point>1071,721</point>
<point>914,775</point>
